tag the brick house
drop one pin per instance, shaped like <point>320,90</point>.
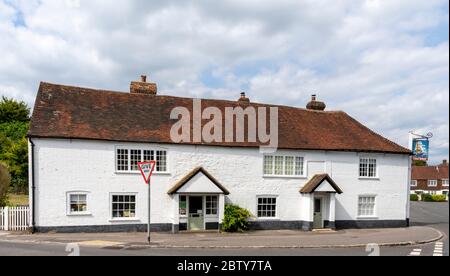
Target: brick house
<point>430,179</point>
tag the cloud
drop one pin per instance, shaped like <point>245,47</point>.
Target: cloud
<point>384,62</point>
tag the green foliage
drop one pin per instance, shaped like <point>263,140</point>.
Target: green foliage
<point>14,130</point>
<point>427,198</point>
<point>14,125</point>
<point>439,198</point>
<point>235,219</point>
<point>420,163</point>
<point>13,111</point>
<point>434,198</point>
<point>414,197</point>
<point>16,157</point>
<point>5,179</point>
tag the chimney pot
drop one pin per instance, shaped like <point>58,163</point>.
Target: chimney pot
<point>143,87</point>
<point>244,98</point>
<point>314,104</point>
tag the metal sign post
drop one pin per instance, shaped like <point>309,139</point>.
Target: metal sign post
<point>147,169</point>
<point>149,211</point>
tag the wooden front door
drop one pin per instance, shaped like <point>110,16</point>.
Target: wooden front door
<point>196,214</point>
<point>318,217</point>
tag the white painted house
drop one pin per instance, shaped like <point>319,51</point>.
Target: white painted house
<point>329,170</point>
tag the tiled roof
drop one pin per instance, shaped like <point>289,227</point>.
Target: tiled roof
<point>81,113</point>
<point>180,183</point>
<point>315,182</point>
<point>430,172</point>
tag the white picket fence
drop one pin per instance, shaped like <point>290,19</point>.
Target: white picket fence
<point>14,218</point>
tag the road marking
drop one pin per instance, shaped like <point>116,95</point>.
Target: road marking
<point>416,252</point>
<point>438,250</point>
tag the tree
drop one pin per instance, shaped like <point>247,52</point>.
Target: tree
<point>5,180</point>
<point>12,110</point>
<point>16,158</point>
<point>420,163</point>
<point>14,125</point>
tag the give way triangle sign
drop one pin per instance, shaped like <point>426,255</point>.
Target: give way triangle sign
<point>147,169</point>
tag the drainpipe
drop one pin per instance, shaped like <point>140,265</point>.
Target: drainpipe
<point>33,188</point>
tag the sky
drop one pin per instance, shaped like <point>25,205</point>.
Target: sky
<point>386,63</point>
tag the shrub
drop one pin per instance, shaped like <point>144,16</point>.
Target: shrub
<point>427,198</point>
<point>439,198</point>
<point>5,180</point>
<point>414,197</point>
<point>235,219</point>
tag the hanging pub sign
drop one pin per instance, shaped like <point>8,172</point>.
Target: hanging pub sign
<point>421,149</point>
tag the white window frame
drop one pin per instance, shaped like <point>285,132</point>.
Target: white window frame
<point>284,175</point>
<point>68,203</point>
<point>142,149</point>
<point>276,217</point>
<point>368,158</point>
<point>432,181</point>
<point>414,183</point>
<point>444,182</point>
<point>217,207</point>
<point>112,218</point>
<point>375,212</point>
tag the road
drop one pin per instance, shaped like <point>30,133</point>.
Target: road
<point>435,215</point>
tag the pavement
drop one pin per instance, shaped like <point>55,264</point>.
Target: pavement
<point>258,239</point>
<point>428,237</point>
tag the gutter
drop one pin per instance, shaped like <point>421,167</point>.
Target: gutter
<point>33,188</point>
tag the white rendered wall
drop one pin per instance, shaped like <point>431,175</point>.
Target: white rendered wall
<point>63,166</point>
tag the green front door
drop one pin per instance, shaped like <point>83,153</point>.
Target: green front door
<point>196,214</point>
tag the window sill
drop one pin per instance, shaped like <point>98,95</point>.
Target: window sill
<point>268,219</point>
<point>369,178</point>
<point>285,176</point>
<point>125,220</point>
<point>139,173</point>
<point>79,215</point>
<point>368,218</point>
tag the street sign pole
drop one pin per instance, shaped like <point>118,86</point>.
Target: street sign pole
<point>147,169</point>
<point>149,209</point>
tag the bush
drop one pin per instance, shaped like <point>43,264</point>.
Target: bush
<point>235,219</point>
<point>5,180</point>
<point>414,197</point>
<point>439,198</point>
<point>434,198</point>
<point>427,198</point>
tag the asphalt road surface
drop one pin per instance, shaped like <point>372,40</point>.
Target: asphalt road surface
<point>435,215</point>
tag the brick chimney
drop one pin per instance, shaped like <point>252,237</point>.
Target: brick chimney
<point>243,98</point>
<point>314,104</point>
<point>444,163</point>
<point>143,87</point>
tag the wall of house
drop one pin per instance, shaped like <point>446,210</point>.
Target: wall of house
<point>63,166</point>
<point>422,185</point>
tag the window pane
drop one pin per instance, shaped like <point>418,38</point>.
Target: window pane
<point>289,165</point>
<point>78,203</point>
<point>267,207</point>
<point>124,206</point>
<point>268,165</point>
<point>149,155</point>
<point>135,156</point>
<point>299,166</point>
<point>279,165</point>
<point>161,161</point>
<point>122,160</point>
<point>366,206</point>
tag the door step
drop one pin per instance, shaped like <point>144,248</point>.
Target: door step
<point>326,230</point>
